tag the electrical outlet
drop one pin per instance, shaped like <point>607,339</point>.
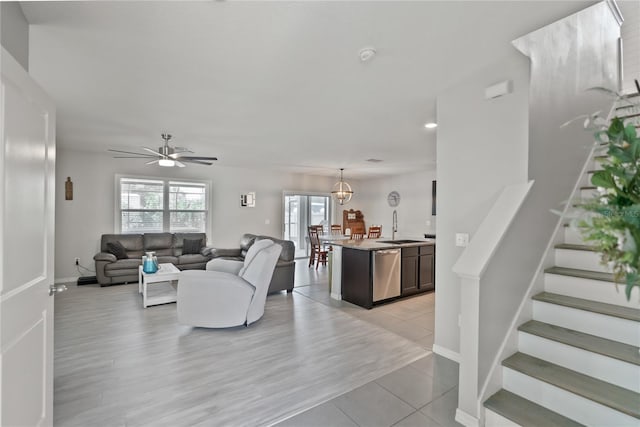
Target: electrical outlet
<point>77,261</point>
<point>462,239</point>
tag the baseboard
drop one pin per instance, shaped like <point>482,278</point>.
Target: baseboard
<point>65,280</point>
<point>445,352</point>
<point>466,419</point>
<point>336,296</point>
<point>87,280</point>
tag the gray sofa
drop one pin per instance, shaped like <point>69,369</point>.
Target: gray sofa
<point>167,247</point>
<point>231,260</point>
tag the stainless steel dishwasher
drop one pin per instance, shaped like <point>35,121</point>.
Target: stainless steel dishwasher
<point>386,274</point>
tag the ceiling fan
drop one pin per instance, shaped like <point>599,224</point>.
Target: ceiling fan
<point>166,155</point>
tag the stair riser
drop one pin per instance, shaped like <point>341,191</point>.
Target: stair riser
<point>595,290</point>
<point>588,194</point>
<point>492,419</point>
<point>582,260</point>
<point>573,236</point>
<point>596,166</point>
<point>613,328</point>
<point>563,402</point>
<point>604,368</point>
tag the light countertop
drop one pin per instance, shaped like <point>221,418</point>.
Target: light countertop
<point>375,244</point>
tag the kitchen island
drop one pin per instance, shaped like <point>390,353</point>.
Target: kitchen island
<point>369,272</point>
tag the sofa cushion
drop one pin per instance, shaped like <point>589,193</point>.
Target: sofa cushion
<point>124,264</point>
<point>160,243</point>
<point>179,238</point>
<point>288,247</point>
<point>191,246</point>
<point>117,249</point>
<point>192,259</point>
<point>245,243</point>
<point>133,243</point>
<point>168,259</point>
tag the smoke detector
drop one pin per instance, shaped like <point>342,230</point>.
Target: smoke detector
<point>366,54</point>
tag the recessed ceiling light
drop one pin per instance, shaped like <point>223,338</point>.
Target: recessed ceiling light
<point>431,125</point>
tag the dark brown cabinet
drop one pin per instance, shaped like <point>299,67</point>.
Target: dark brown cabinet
<point>409,276</point>
<point>416,273</point>
<point>418,269</point>
<point>426,268</point>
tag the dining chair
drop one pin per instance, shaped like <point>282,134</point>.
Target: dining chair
<point>336,229</point>
<point>375,231</point>
<point>357,236</point>
<point>318,254</point>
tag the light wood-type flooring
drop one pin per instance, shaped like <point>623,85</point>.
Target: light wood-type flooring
<point>309,357</point>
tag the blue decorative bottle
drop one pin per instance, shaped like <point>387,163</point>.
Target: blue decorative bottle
<point>150,263</point>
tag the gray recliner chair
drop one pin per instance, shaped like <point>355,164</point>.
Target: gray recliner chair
<point>231,261</point>
<point>217,299</point>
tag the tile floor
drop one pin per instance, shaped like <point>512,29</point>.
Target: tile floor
<point>423,393</point>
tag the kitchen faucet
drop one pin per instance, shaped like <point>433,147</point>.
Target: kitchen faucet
<point>394,228</point>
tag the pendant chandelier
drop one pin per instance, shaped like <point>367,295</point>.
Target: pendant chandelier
<point>342,191</point>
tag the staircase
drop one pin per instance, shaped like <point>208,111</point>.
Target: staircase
<point>578,359</point>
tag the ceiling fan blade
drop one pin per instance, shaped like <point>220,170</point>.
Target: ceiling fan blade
<point>180,164</point>
<point>152,162</point>
<point>131,152</point>
<point>198,158</point>
<point>152,151</point>
<point>199,162</point>
<point>133,157</point>
<point>182,149</point>
<point>179,154</point>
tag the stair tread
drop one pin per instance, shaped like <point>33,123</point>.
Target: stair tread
<point>606,347</point>
<point>583,274</point>
<point>602,392</point>
<point>574,246</point>
<point>589,305</point>
<point>525,412</point>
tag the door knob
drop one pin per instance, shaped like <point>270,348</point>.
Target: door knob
<point>56,289</point>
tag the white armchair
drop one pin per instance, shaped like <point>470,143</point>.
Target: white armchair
<point>218,299</point>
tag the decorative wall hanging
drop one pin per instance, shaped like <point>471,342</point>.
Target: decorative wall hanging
<point>68,189</point>
<point>248,200</point>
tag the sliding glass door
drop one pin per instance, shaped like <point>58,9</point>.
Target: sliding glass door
<point>301,211</point>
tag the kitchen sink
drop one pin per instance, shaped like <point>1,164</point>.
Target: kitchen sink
<point>400,242</point>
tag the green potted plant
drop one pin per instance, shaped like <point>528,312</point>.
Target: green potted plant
<point>612,222</point>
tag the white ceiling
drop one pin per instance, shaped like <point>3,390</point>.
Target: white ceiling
<point>273,84</point>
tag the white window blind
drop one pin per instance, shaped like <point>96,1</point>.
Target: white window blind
<point>160,205</point>
<point>141,205</point>
<point>187,207</point>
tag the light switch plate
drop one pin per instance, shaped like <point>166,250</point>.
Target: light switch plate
<point>462,239</point>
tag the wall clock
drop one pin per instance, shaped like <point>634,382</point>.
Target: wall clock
<point>393,199</point>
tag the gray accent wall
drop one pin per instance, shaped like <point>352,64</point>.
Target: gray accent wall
<point>482,147</point>
<point>14,32</point>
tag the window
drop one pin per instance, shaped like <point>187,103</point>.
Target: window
<point>148,205</point>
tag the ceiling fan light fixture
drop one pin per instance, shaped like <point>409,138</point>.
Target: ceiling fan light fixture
<point>342,190</point>
<point>167,163</point>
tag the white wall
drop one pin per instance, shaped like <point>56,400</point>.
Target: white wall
<point>81,222</point>
<point>414,210</point>
<point>482,147</point>
<point>14,32</point>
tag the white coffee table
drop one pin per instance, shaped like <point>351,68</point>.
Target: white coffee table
<point>164,280</point>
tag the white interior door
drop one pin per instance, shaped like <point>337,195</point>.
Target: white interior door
<point>27,161</point>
